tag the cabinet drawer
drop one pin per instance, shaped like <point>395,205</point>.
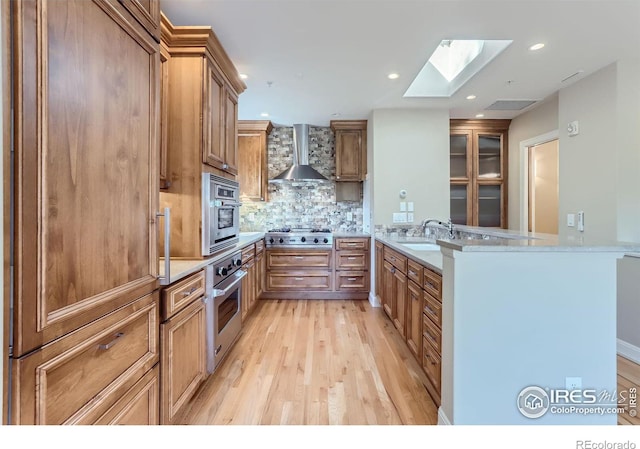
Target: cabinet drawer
<point>352,280</point>
<point>431,363</point>
<point>78,377</point>
<point>259,246</point>
<point>178,295</point>
<point>290,281</point>
<point>414,271</point>
<point>139,406</point>
<point>431,332</point>
<point>432,309</point>
<point>352,260</point>
<point>293,259</point>
<point>248,253</point>
<point>432,283</point>
<point>396,259</point>
<point>352,243</point>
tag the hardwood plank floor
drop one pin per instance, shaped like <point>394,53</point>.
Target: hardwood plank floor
<point>315,362</point>
<point>628,377</point>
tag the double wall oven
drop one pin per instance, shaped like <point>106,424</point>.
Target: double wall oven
<point>220,213</point>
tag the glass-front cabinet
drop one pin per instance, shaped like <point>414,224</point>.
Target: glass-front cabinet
<point>478,162</point>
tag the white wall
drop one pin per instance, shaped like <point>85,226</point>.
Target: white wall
<point>628,124</point>
<point>536,122</point>
<point>3,355</point>
<point>411,152</point>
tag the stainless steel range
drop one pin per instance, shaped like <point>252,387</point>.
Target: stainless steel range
<point>299,238</point>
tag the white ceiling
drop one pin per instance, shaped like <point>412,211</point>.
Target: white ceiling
<point>325,56</point>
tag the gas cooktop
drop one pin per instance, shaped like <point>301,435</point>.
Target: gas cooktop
<point>299,237</point>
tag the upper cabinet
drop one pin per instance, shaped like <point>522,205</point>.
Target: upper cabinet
<point>252,158</point>
<point>478,172</point>
<point>147,13</point>
<point>164,117</point>
<point>203,97</point>
<point>351,149</point>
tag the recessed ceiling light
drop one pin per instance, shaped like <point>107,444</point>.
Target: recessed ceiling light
<point>243,76</point>
<point>535,47</point>
<point>471,97</point>
<point>264,114</point>
<point>479,115</point>
<point>393,76</point>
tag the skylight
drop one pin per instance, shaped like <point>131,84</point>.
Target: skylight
<point>452,64</point>
<point>452,56</point>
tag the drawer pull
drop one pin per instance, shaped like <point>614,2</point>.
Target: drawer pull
<point>430,285</point>
<point>430,337</point>
<point>351,279</point>
<point>298,257</point>
<point>351,244</point>
<point>110,345</point>
<point>193,289</point>
<point>351,258</point>
<point>392,258</point>
<point>217,350</point>
<point>411,272</point>
<point>433,362</point>
<point>298,279</point>
<point>393,270</point>
<point>431,311</point>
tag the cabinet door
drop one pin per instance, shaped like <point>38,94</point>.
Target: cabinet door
<point>460,151</point>
<point>260,270</point>
<point>248,288</point>
<point>183,358</point>
<point>388,298</point>
<point>400,296</point>
<point>213,117</point>
<point>252,165</point>
<point>165,182</point>
<point>379,270</point>
<point>147,12</point>
<point>490,205</point>
<point>230,132</point>
<point>414,319</point>
<point>86,165</point>
<point>349,156</point>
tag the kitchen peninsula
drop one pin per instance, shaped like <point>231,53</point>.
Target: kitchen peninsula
<point>539,307</point>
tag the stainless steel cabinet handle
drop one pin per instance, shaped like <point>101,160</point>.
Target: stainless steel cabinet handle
<point>351,279</point>
<point>190,292</point>
<point>351,258</point>
<point>351,244</point>
<point>299,279</point>
<point>431,311</point>
<point>225,166</point>
<point>412,272</point>
<point>218,350</point>
<point>393,270</point>
<point>298,257</point>
<point>392,258</point>
<point>109,345</point>
<point>430,285</point>
<point>167,243</point>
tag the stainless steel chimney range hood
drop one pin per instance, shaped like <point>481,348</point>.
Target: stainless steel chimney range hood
<point>300,170</point>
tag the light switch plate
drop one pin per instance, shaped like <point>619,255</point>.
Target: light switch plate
<point>571,220</point>
<point>403,206</point>
<point>410,206</point>
<point>410,217</point>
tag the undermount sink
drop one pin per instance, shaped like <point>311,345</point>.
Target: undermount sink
<point>422,246</point>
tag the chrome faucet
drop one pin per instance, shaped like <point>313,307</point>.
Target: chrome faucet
<point>448,225</point>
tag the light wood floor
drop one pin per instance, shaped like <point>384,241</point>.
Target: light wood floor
<point>325,362</point>
<point>315,362</point>
<point>628,377</point>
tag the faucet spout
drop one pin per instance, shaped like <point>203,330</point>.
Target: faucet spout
<point>448,225</point>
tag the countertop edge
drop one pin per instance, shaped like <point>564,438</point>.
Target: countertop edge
<point>414,255</point>
<point>198,264</point>
<point>518,245</point>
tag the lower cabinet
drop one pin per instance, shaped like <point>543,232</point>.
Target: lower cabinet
<point>81,377</point>
<point>413,302</point>
<point>250,281</point>
<point>183,348</point>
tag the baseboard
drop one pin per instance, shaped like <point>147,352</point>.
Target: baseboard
<point>628,351</point>
<point>442,418</point>
<point>374,300</point>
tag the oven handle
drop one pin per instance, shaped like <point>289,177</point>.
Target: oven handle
<point>217,293</point>
<point>231,203</point>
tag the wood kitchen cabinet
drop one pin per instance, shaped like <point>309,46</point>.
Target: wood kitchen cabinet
<point>163,173</point>
<point>201,127</point>
<point>86,130</point>
<point>478,172</point>
<point>414,319</point>
<point>249,287</point>
<point>352,264</point>
<point>351,149</point>
<point>253,173</point>
<point>183,344</point>
<point>261,268</point>
<point>147,13</point>
<point>379,267</point>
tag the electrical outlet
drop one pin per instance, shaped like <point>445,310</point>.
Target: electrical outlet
<point>410,217</point>
<point>573,383</point>
<point>410,206</point>
<point>349,216</point>
<point>399,217</point>
<point>252,216</point>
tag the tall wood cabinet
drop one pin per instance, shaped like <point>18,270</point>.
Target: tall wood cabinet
<point>478,172</point>
<point>201,124</point>
<point>253,173</point>
<point>86,113</point>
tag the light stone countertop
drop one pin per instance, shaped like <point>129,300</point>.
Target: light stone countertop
<point>181,268</point>
<point>351,234</point>
<point>433,259</point>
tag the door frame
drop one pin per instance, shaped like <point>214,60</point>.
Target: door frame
<point>524,173</point>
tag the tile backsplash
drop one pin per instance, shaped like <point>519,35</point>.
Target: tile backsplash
<point>301,203</point>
